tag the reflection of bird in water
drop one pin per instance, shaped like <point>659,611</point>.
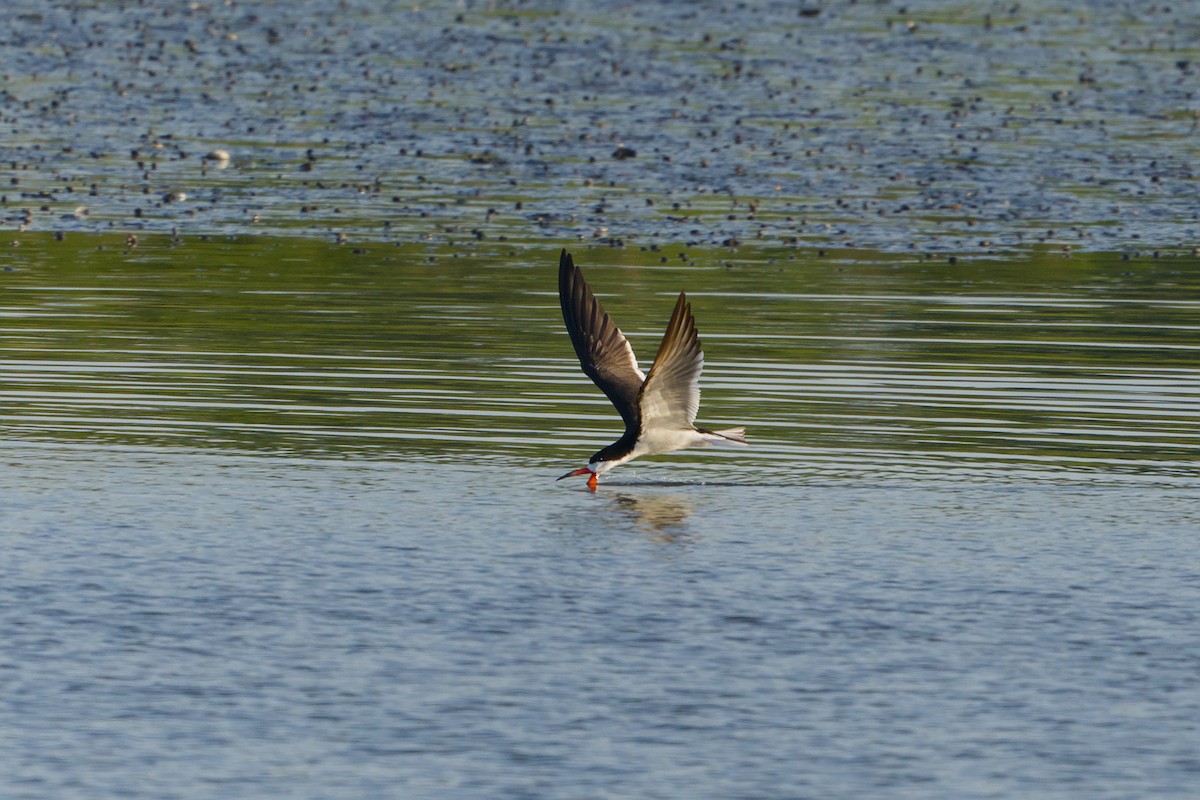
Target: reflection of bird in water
<point>659,409</point>
<point>662,515</point>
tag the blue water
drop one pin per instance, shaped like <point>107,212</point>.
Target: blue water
<point>188,625</point>
<point>278,518</point>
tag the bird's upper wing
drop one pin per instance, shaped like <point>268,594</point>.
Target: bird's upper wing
<point>603,351</point>
<point>670,397</point>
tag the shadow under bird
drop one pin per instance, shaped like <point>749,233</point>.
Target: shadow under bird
<point>659,409</point>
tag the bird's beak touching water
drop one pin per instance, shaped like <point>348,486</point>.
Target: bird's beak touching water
<point>583,471</point>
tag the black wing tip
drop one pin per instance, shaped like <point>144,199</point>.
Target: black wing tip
<point>681,331</point>
<point>683,311</point>
<point>568,274</point>
<point>573,297</point>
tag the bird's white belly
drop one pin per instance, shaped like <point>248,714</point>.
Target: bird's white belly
<point>662,440</point>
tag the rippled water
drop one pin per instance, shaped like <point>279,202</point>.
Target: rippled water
<point>280,519</point>
<point>1043,366</point>
<point>950,126</point>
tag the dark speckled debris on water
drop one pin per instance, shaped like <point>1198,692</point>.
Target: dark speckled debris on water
<point>961,126</point>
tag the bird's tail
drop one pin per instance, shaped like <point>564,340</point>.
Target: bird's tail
<point>731,437</point>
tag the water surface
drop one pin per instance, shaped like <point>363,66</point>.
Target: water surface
<point>953,127</point>
<point>278,515</point>
<point>280,519</point>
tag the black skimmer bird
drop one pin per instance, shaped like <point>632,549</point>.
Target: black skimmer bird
<point>659,409</point>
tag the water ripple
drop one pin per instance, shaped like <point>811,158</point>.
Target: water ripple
<point>867,384</point>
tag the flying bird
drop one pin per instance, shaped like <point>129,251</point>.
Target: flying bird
<point>659,409</point>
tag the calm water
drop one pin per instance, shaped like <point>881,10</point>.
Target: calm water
<point>274,525</point>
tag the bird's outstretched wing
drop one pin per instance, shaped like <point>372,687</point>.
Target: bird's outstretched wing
<point>670,397</point>
<point>603,351</point>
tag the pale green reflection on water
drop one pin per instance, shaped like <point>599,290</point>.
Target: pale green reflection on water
<point>848,364</point>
